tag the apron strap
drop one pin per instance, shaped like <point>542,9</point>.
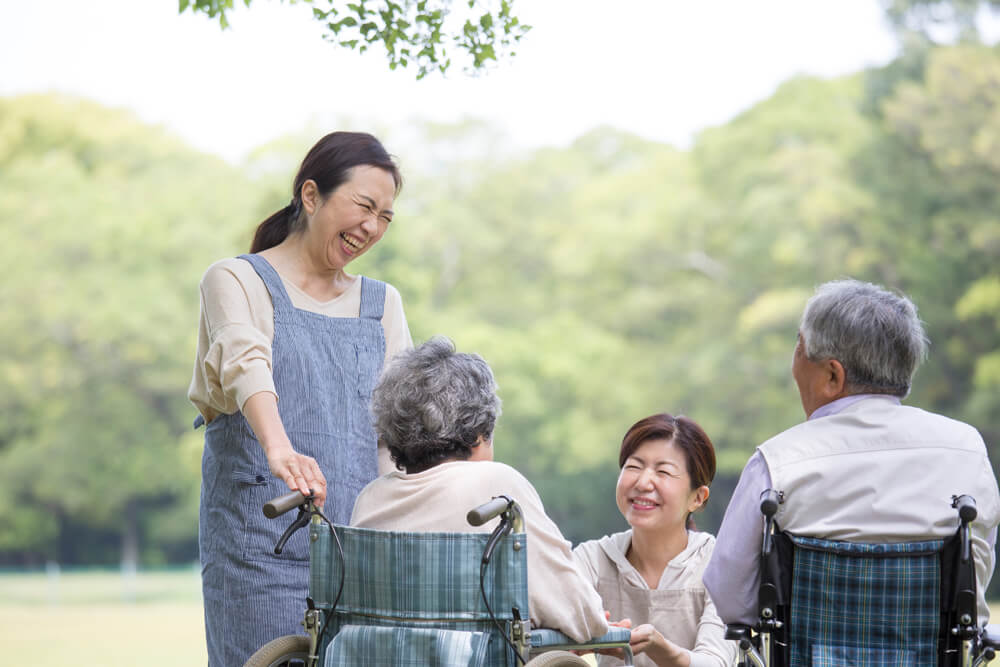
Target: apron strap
<point>372,298</point>
<point>272,281</point>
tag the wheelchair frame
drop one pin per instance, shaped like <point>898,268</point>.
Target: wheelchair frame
<point>961,641</point>
<point>517,635</point>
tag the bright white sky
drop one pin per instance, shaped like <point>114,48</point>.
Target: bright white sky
<point>662,69</point>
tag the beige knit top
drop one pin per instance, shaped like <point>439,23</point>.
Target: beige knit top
<point>236,330</point>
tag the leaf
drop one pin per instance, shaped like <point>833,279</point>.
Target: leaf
<point>981,298</point>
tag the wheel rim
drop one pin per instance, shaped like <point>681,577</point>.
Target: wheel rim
<point>284,660</point>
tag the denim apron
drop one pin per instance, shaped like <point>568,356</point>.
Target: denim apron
<point>324,371</point>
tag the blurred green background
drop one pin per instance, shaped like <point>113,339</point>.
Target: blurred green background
<point>603,281</point>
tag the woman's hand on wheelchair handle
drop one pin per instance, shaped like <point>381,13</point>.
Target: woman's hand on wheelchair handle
<point>299,472</point>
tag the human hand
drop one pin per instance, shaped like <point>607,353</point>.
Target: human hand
<point>300,472</point>
<point>647,639</point>
<point>623,623</point>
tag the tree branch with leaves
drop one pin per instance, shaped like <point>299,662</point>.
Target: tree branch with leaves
<point>427,34</point>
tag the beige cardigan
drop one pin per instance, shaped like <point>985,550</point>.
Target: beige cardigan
<point>438,499</point>
<point>236,330</point>
<point>679,608</point>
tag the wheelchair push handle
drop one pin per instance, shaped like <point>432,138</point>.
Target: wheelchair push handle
<point>769,501</point>
<point>278,506</point>
<point>966,506</point>
<point>488,510</point>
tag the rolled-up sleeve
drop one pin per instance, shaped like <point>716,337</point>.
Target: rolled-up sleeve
<point>234,352</point>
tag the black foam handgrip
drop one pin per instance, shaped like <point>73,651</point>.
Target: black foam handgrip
<point>278,506</point>
<point>966,506</point>
<point>769,501</point>
<point>487,511</point>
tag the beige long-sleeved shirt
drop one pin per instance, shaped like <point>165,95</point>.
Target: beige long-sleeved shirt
<point>236,331</point>
<point>438,499</point>
<point>679,607</point>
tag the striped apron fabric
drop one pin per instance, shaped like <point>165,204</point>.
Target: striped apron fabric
<point>324,371</point>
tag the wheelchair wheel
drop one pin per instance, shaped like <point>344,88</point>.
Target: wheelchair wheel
<point>556,659</point>
<point>281,652</point>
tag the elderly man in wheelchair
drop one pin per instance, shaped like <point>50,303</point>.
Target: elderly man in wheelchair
<point>419,579</point>
<point>865,535</point>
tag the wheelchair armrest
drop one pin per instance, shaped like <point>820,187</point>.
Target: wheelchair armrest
<point>991,636</point>
<point>546,638</point>
<point>543,639</point>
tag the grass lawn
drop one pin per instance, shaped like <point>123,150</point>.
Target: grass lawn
<point>97,619</point>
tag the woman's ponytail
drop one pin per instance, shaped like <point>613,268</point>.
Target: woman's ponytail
<point>276,228</point>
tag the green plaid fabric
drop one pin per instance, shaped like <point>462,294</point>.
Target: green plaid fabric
<point>868,605</point>
<point>417,581</point>
<point>405,647</point>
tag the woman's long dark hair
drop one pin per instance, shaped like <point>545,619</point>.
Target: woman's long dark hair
<point>328,164</point>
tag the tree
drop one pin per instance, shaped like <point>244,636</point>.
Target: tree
<point>936,20</point>
<point>603,281</point>
<point>108,226</point>
<point>422,32</point>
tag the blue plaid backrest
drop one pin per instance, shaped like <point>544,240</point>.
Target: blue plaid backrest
<point>418,579</point>
<point>864,604</point>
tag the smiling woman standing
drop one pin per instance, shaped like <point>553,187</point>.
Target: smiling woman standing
<point>290,346</point>
<point>651,574</point>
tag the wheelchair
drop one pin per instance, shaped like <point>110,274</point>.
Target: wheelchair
<point>824,602</point>
<point>399,598</point>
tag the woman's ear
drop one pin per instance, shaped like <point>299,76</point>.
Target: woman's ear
<point>699,498</point>
<point>311,199</point>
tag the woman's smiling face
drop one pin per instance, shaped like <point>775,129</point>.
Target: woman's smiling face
<point>352,218</point>
<point>654,488</point>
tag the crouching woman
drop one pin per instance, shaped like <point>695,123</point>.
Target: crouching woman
<point>651,573</point>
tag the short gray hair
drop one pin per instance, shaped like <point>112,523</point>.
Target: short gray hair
<point>874,333</point>
<point>432,404</point>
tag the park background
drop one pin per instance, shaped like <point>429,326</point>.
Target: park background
<point>645,247</point>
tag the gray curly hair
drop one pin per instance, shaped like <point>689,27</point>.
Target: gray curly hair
<point>432,404</point>
<point>874,333</point>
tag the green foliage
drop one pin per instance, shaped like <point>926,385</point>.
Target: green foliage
<point>108,225</point>
<point>603,282</point>
<point>423,32</point>
<point>936,20</point>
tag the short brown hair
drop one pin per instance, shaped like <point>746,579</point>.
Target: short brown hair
<point>699,454</point>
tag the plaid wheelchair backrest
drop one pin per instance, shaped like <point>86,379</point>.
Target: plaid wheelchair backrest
<point>414,598</point>
<point>869,605</point>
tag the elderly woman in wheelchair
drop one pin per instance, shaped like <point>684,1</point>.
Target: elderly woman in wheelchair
<point>418,579</point>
